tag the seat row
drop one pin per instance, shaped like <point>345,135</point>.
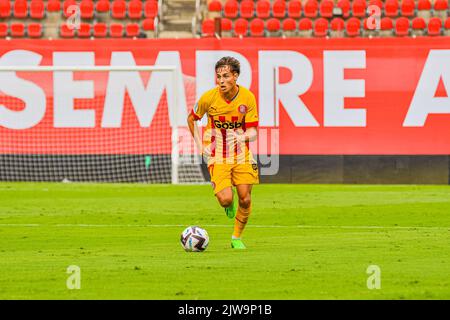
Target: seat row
<point>117,9</point>
<point>321,27</point>
<point>264,9</point>
<point>145,29</point>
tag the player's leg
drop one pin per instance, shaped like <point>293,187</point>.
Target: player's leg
<point>221,182</point>
<point>243,177</point>
<point>225,197</point>
<point>243,213</point>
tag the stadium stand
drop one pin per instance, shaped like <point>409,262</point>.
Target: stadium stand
<point>227,18</point>
<point>334,18</point>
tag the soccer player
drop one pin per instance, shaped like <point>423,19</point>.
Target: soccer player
<point>232,122</point>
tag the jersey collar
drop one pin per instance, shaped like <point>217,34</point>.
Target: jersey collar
<point>229,101</point>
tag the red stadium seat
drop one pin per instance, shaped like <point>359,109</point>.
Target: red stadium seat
<point>5,8</point>
<point>66,5</point>
<point>241,27</point>
<point>326,8</point>
<point>231,9</point>
<point>215,6</point>
<point>208,28</point>
<point>321,27</point>
<point>359,8</point>
<point>34,30</point>
<point>37,9</point>
<point>353,27</point>
<point>311,8</point>
<point>214,9</point>
<point>102,6</point>
<point>424,5</point>
<point>337,26</point>
<point>226,24</point>
<point>3,30</point>
<point>345,6</point>
<point>447,27</point>
<point>227,27</point>
<point>135,9</point>
<point>119,9</point>
<point>289,25</point>
<point>440,9</point>
<point>273,26</point>
<point>151,8</point>
<point>20,9</point>
<point>17,30</point>
<point>53,6</point>
<point>116,30</point>
<point>294,9</point>
<point>84,31</point>
<point>440,5</point>
<point>424,9</point>
<point>368,30</point>
<point>402,27</point>
<point>279,9</point>
<point>257,28</point>
<point>247,9</point>
<point>87,9</point>
<point>263,9</point>
<point>418,26</point>
<point>305,27</point>
<point>377,3</point>
<point>434,26</point>
<point>65,31</point>
<point>391,8</point>
<point>100,30</point>
<point>148,24</point>
<point>132,30</point>
<point>407,8</point>
<point>386,26</point>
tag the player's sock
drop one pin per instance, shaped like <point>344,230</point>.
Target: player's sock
<point>241,221</point>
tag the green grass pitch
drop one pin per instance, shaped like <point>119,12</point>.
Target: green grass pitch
<point>304,242</point>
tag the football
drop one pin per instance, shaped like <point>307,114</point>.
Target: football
<point>194,239</point>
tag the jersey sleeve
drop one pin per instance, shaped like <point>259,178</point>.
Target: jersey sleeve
<point>200,108</point>
<point>251,117</point>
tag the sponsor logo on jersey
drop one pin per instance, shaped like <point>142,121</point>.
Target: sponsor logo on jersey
<point>227,124</point>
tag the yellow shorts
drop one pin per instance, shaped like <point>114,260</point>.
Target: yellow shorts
<point>226,175</point>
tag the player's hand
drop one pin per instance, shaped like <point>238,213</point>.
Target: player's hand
<point>240,136</point>
<point>206,153</point>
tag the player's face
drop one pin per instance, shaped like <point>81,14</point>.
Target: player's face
<point>226,79</point>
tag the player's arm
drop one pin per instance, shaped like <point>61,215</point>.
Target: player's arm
<point>193,128</point>
<point>251,122</point>
<point>196,114</point>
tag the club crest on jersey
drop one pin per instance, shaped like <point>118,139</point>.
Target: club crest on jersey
<point>242,109</point>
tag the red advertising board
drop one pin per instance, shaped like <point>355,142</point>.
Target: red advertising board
<point>324,96</point>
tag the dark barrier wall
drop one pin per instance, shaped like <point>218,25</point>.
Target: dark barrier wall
<point>362,169</point>
<point>292,169</point>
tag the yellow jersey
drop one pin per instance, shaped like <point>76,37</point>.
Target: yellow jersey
<point>225,118</point>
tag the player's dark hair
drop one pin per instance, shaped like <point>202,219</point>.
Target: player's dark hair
<point>233,63</point>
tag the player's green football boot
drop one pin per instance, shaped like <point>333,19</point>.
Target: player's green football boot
<point>231,210</point>
<point>237,244</point>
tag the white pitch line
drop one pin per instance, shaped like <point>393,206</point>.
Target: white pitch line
<point>215,226</point>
